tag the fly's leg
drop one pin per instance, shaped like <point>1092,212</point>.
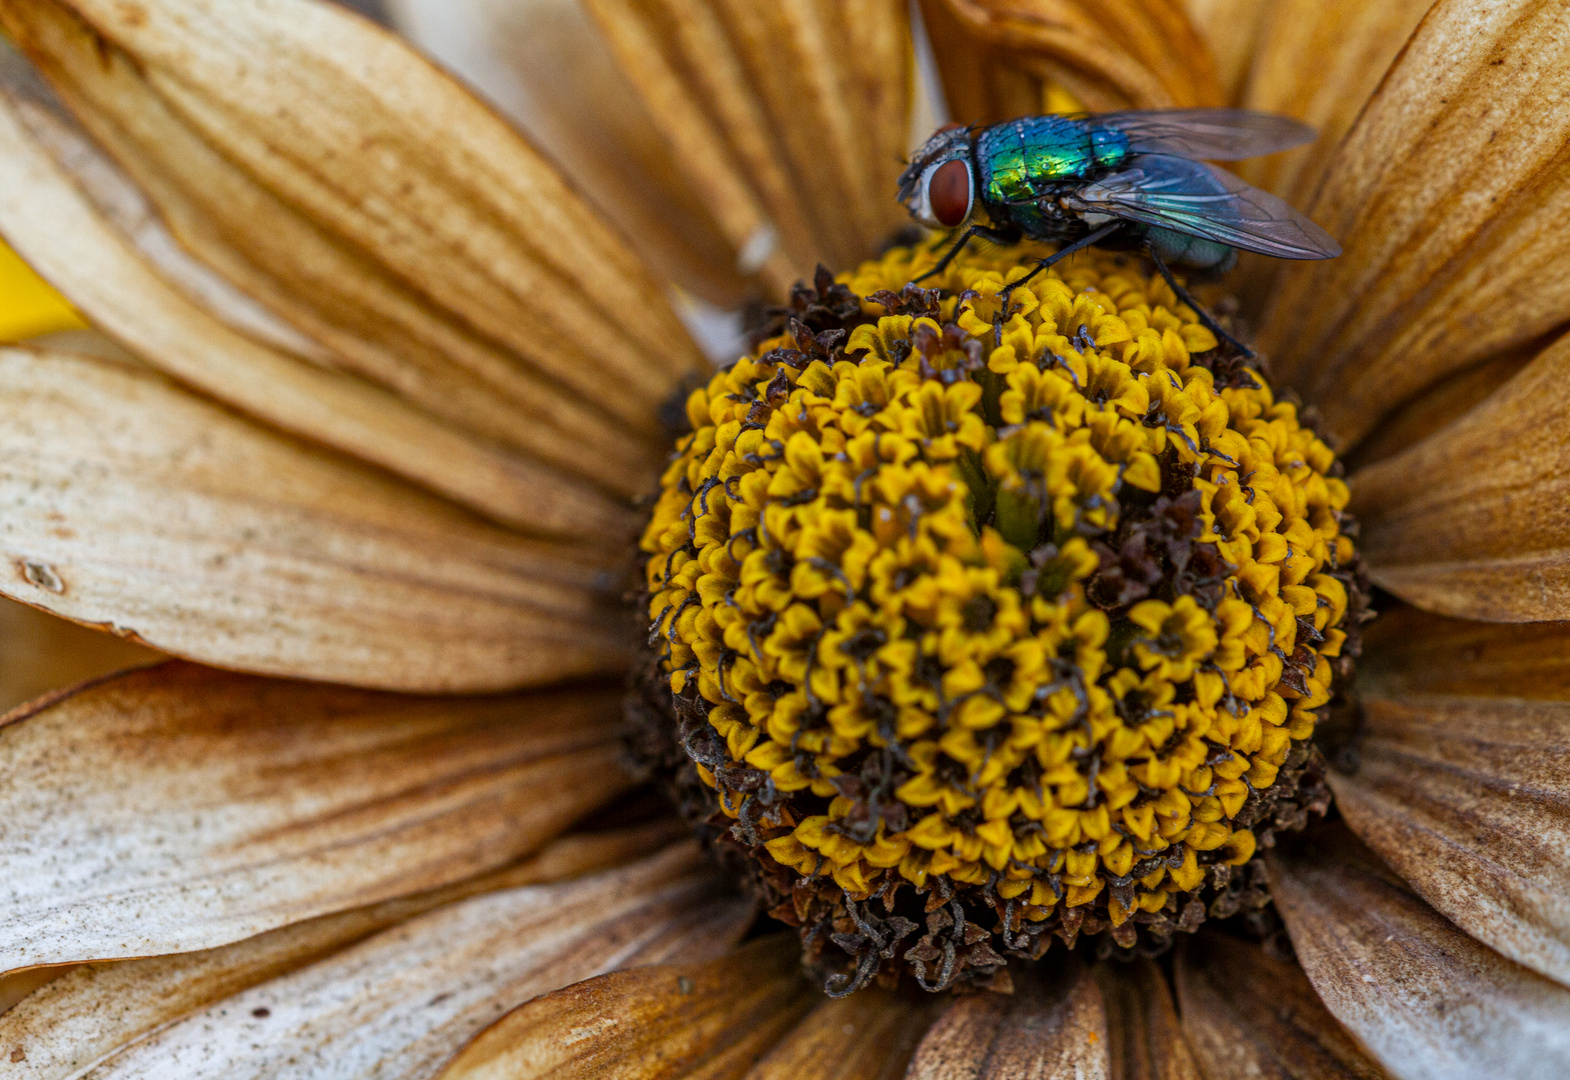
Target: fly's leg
<point>1041,264</point>
<point>997,236</point>
<point>1204,316</point>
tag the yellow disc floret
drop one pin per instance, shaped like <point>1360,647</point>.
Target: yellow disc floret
<point>1023,599</point>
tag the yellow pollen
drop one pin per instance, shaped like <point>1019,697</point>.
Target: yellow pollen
<point>1073,598</point>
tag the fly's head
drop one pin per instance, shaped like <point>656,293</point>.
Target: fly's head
<point>939,185</point>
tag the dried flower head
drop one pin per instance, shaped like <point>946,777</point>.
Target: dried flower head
<point>1016,619</point>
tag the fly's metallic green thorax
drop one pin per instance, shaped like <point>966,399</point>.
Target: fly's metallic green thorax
<point>1022,160</point>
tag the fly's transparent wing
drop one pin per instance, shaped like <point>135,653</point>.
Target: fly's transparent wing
<point>1207,134</point>
<point>1201,200</point>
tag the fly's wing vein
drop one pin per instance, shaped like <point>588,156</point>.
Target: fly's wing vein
<point>1201,200</point>
<point>1207,134</point>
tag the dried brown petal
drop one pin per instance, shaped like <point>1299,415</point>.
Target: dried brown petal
<point>467,288</point>
<point>1447,196</point>
<point>1052,1027</point>
<point>1250,1014</point>
<point>1410,651</point>
<point>659,1023</point>
<point>179,807</point>
<point>132,504</point>
<point>95,1009</point>
<point>437,189</point>
<point>789,119</point>
<point>1319,61</point>
<point>1145,1041</point>
<point>1231,28</point>
<point>867,1036</point>
<point>189,323</point>
<point>401,1003</point>
<point>1468,799</point>
<point>594,124</point>
<point>997,56</point>
<point>1441,404</point>
<point>1469,521</point>
<point>1424,998</point>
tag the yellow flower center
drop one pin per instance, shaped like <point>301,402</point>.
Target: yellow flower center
<point>1025,610</point>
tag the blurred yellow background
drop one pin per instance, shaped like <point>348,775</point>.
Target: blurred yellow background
<point>28,306</point>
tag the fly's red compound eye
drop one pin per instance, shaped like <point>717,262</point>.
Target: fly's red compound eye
<point>949,192</point>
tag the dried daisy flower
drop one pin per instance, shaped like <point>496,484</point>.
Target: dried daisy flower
<point>1012,661</point>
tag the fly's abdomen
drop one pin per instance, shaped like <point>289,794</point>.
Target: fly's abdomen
<point>1195,251</point>
<point>1023,160</point>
